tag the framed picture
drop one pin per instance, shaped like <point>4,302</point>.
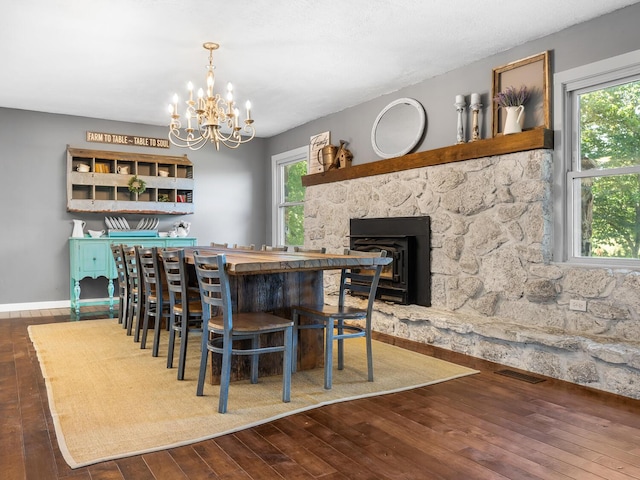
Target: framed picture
<point>532,72</point>
<point>315,158</point>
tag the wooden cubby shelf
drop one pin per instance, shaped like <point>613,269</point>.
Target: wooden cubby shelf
<point>104,187</point>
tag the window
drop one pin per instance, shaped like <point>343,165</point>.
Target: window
<point>288,196</point>
<point>599,157</point>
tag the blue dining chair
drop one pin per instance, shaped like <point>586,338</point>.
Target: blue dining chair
<point>156,296</point>
<point>361,281</point>
<point>185,311</point>
<point>123,283</point>
<point>225,327</point>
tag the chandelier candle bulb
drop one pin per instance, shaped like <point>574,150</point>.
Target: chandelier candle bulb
<point>460,99</point>
<point>190,88</point>
<point>475,98</point>
<point>248,105</point>
<point>175,104</point>
<point>210,84</point>
<point>200,99</point>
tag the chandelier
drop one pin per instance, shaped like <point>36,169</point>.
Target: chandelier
<point>207,117</point>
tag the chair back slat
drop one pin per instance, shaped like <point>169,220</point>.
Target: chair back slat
<point>176,275</point>
<point>310,250</point>
<point>244,247</point>
<point>213,281</point>
<point>150,267</point>
<point>133,277</point>
<point>276,248</point>
<point>121,268</point>
<point>355,279</point>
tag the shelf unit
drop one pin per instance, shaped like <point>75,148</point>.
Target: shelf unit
<point>103,189</point>
<point>500,145</point>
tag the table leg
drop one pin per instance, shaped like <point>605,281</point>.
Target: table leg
<point>76,297</point>
<point>276,293</point>
<point>110,289</point>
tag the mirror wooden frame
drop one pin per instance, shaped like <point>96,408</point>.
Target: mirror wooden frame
<point>534,73</point>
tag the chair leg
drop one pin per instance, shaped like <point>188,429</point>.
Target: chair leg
<point>294,344</point>
<point>158,325</point>
<point>138,315</point>
<point>184,340</point>
<point>125,309</point>
<point>328,353</point>
<point>286,366</point>
<point>340,344</point>
<point>121,308</point>
<point>204,359</point>
<point>255,343</point>
<point>145,324</point>
<point>156,332</point>
<point>369,354</point>
<point>133,302</point>
<point>225,375</point>
<point>172,341</point>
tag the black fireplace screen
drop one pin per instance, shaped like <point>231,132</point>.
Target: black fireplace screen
<point>407,280</point>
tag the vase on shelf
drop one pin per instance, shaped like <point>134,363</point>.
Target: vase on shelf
<point>514,119</point>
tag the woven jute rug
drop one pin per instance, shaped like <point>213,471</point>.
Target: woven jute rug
<point>110,399</point>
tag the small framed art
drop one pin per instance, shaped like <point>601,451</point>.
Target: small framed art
<point>532,72</point>
<point>315,146</point>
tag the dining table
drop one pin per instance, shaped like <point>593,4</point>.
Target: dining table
<point>274,281</point>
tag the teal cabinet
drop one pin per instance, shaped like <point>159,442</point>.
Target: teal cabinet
<point>92,258</point>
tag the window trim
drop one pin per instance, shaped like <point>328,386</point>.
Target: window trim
<point>565,85</point>
<point>277,192</point>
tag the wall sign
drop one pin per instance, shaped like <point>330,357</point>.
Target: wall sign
<point>100,137</point>
<point>316,143</point>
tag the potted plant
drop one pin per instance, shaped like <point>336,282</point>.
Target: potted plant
<point>513,100</point>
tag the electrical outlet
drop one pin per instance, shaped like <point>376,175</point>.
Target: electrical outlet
<point>578,305</point>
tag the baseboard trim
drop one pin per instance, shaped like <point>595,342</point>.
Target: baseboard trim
<point>16,307</point>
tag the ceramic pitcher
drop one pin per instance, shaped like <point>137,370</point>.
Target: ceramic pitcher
<point>78,226</point>
<point>514,119</point>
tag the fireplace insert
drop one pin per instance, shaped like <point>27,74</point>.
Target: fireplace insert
<point>407,280</point>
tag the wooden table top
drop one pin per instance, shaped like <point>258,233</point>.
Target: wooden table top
<point>244,262</point>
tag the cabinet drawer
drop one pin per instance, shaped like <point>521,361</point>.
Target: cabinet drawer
<point>91,259</point>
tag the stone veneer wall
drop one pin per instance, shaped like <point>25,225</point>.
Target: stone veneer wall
<point>495,293</point>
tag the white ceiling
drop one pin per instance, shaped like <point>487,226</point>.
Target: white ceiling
<point>296,60</point>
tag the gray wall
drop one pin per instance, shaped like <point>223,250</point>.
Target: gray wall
<point>604,37</point>
<point>229,191</point>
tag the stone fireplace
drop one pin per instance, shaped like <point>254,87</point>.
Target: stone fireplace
<point>495,293</point>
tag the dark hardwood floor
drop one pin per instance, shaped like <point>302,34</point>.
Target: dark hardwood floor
<point>484,426</point>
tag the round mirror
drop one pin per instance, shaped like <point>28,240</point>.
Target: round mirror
<point>398,128</point>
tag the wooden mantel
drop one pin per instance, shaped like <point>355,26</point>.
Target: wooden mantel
<point>519,142</point>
